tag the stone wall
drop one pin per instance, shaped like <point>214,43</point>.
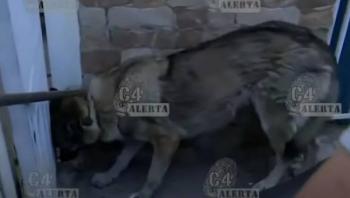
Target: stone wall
<point>115,30</point>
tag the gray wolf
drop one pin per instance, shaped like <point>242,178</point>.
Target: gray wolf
<point>204,86</point>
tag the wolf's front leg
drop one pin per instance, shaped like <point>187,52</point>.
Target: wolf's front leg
<point>129,151</point>
<point>163,149</point>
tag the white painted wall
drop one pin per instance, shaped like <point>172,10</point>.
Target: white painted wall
<point>28,42</point>
<point>63,39</point>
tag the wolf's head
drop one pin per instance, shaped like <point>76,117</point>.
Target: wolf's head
<point>73,124</point>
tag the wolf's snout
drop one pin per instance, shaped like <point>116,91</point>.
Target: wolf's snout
<point>86,121</point>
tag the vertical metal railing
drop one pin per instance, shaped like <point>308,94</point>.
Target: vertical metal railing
<point>343,50</point>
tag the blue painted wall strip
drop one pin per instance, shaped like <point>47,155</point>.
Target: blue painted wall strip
<point>344,73</point>
<point>338,24</point>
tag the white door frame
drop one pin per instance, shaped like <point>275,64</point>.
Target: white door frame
<point>23,69</point>
<point>7,183</point>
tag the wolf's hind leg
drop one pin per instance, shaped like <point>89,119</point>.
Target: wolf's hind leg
<point>128,153</point>
<point>275,122</point>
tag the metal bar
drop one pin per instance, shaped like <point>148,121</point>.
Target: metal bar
<point>23,98</point>
<point>338,24</point>
<point>344,71</point>
<point>341,116</point>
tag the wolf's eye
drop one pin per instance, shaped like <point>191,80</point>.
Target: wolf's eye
<point>87,121</point>
<point>69,127</point>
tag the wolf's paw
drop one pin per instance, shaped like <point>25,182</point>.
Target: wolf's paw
<point>263,185</point>
<point>139,195</point>
<point>135,195</point>
<point>100,180</point>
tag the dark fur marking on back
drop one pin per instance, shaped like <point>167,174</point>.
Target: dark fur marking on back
<point>300,34</point>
